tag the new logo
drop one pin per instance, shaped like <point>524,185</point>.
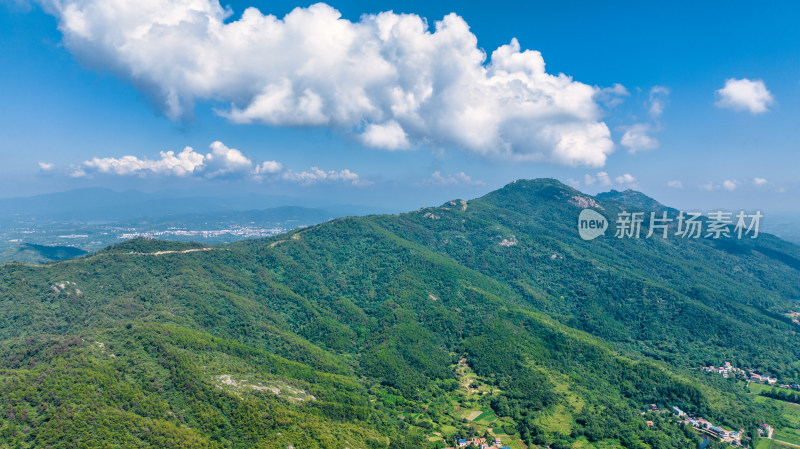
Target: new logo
<point>591,224</point>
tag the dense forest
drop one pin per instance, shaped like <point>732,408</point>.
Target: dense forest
<point>386,331</point>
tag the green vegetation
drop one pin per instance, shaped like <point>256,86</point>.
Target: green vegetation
<point>32,253</point>
<point>781,394</point>
<point>397,331</point>
<point>772,444</point>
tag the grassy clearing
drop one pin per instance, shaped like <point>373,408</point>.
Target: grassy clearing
<point>789,436</point>
<point>472,415</point>
<point>772,444</point>
<point>757,388</point>
<point>486,418</point>
<point>560,420</point>
<point>787,431</point>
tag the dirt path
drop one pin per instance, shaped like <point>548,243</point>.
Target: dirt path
<point>160,253</point>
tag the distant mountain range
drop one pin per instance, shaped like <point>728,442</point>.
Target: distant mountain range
<point>488,318</point>
<point>32,253</point>
<point>90,219</point>
<point>107,206</point>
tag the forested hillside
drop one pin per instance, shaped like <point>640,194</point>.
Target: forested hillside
<point>389,331</point>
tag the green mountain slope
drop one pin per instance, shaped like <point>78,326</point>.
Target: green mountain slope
<point>33,253</point>
<point>388,331</point>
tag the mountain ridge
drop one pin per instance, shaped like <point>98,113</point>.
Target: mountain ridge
<point>552,331</point>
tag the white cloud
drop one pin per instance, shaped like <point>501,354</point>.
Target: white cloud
<point>460,178</point>
<point>675,184</point>
<point>185,163</point>
<point>388,136</point>
<point>744,94</point>
<point>77,172</point>
<point>46,167</point>
<point>387,75</point>
<point>603,178</point>
<point>759,181</point>
<point>658,100</point>
<point>224,162</point>
<point>627,178</point>
<point>612,96</point>
<point>637,138</point>
<point>729,185</point>
<point>268,168</point>
<point>709,186</point>
<point>221,162</point>
<point>315,176</point>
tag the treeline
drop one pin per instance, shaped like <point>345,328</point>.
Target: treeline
<point>782,395</point>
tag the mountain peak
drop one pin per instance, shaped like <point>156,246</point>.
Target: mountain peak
<point>632,198</point>
<point>548,188</point>
<point>542,194</point>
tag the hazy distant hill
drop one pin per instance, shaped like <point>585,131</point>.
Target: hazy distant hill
<point>218,226</point>
<point>786,226</point>
<point>391,331</point>
<point>32,253</point>
<point>106,206</point>
<point>303,216</point>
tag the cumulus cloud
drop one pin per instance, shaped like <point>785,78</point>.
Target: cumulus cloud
<point>729,185</point>
<point>388,78</point>
<point>745,95</point>
<point>604,179</point>
<point>637,138</point>
<point>183,164</point>
<point>388,136</point>
<point>675,184</point>
<point>601,177</point>
<point>460,178</point>
<point>220,162</point>
<point>759,181</point>
<point>268,168</point>
<point>315,176</point>
<point>223,161</point>
<point>627,178</point>
<point>46,167</point>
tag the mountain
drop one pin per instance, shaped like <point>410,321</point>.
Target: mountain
<point>632,198</point>
<point>275,215</point>
<point>488,317</point>
<point>32,253</point>
<point>219,226</point>
<point>785,226</point>
<point>105,205</point>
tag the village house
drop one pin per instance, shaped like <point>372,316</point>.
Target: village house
<point>763,379</point>
<point>479,442</point>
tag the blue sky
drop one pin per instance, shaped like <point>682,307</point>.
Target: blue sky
<point>703,115</point>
